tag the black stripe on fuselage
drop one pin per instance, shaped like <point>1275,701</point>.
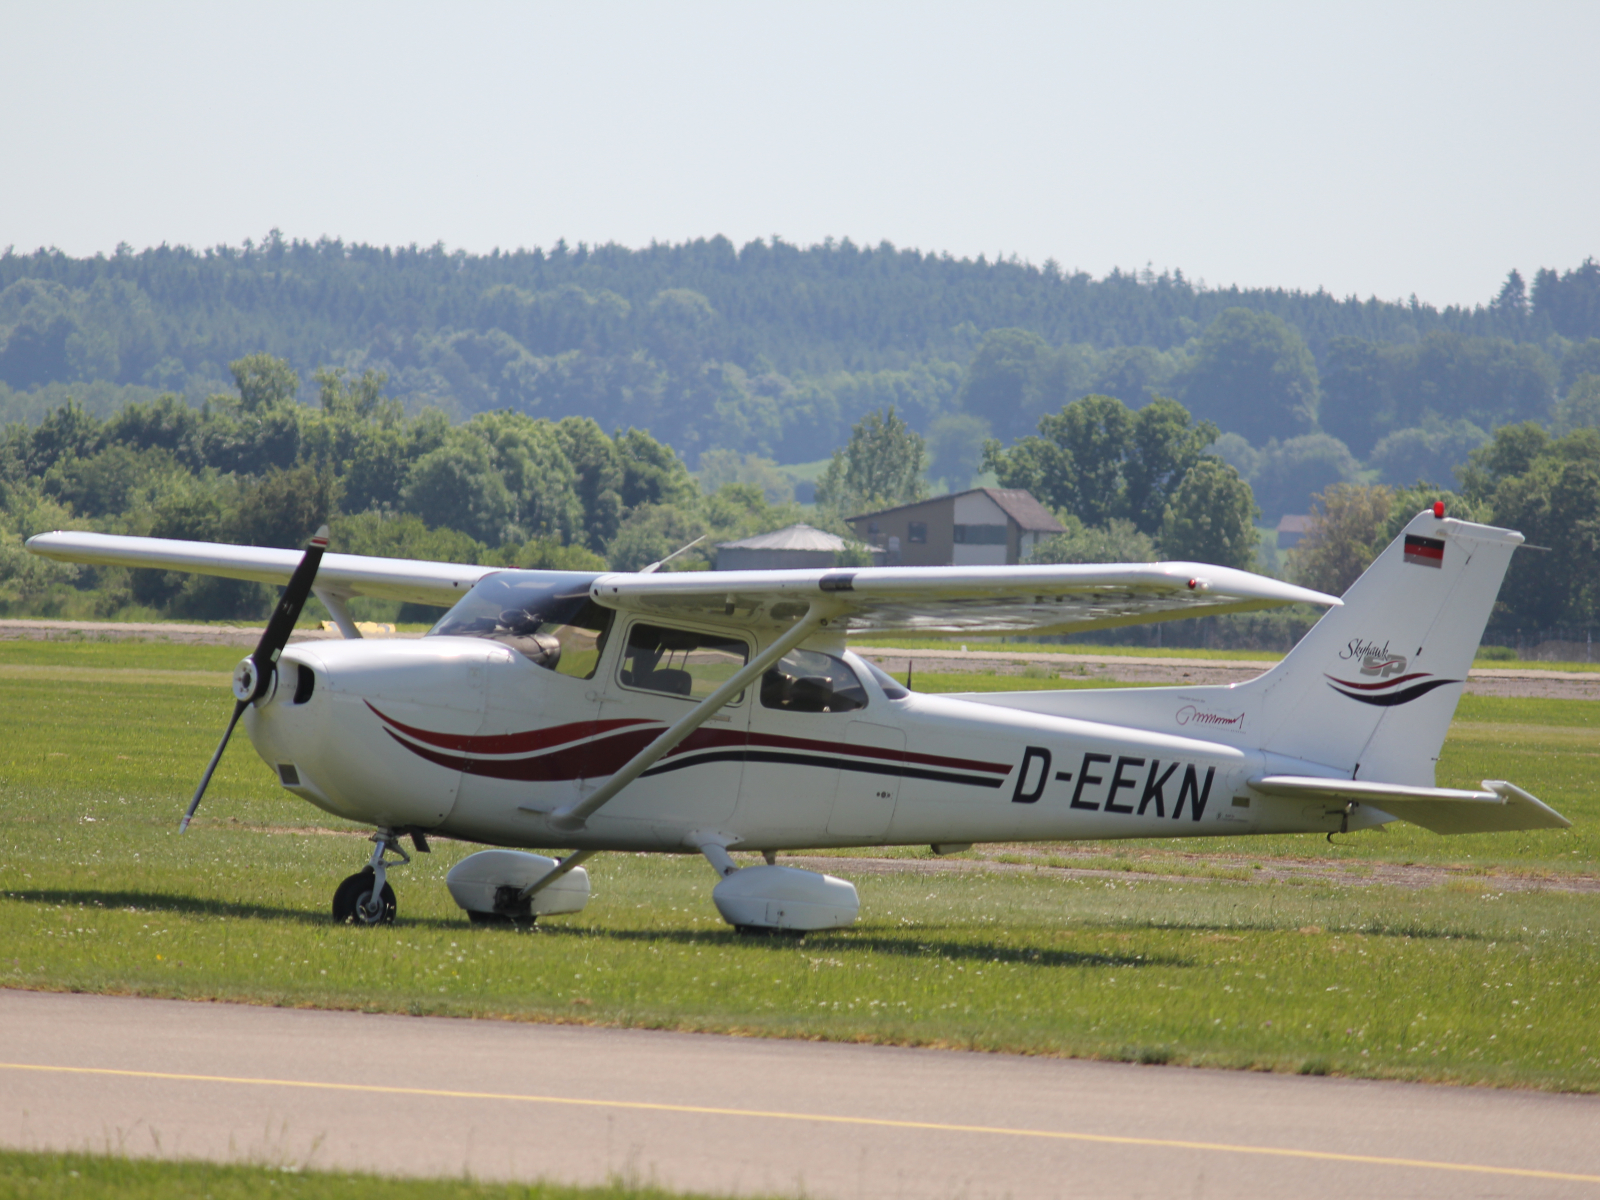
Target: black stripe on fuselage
<point>790,758</point>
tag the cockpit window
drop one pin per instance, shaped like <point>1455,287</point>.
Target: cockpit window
<point>808,681</point>
<point>547,616</point>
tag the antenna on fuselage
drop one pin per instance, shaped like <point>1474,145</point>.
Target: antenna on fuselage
<point>656,566</point>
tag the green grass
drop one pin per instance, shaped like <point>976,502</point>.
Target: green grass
<point>26,1175</point>
<point>99,893</point>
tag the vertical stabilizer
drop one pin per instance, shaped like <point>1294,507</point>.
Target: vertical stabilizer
<point>1371,689</point>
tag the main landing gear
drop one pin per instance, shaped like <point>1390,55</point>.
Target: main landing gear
<point>366,897</point>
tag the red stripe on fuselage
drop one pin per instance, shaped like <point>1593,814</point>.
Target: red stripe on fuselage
<point>511,743</point>
<point>606,753</point>
<point>1373,687</point>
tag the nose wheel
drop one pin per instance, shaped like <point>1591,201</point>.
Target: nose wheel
<point>366,897</point>
<point>353,902</point>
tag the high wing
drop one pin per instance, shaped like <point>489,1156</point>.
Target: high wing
<point>928,600</point>
<point>342,575</point>
<point>956,600</point>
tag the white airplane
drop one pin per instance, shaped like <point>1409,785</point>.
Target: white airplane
<point>715,711</point>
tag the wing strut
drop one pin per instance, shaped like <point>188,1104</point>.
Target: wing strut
<point>572,816</point>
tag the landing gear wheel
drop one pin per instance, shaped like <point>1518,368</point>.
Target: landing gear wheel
<point>352,903</point>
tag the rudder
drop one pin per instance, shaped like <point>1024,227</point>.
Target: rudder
<point>1372,688</point>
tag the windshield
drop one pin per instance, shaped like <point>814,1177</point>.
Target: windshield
<point>546,615</point>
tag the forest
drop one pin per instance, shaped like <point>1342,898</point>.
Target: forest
<point>588,404</point>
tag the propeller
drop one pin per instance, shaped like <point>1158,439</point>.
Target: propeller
<point>253,677</point>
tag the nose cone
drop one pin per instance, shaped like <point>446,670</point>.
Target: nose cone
<point>322,734</point>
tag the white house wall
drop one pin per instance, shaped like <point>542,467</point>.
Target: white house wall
<point>977,509</point>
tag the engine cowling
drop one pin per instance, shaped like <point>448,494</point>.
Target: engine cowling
<point>487,882</point>
<point>785,898</point>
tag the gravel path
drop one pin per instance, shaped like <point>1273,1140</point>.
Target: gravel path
<point>1111,668</point>
<point>1481,681</point>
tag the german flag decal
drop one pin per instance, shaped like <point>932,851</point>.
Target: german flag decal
<point>1425,552</point>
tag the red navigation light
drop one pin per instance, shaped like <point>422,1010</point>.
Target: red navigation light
<point>1193,583</point>
<point>1438,508</point>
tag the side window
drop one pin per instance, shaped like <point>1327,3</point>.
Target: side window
<point>680,662</point>
<point>917,531</point>
<point>806,681</point>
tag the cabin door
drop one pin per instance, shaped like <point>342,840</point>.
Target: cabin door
<point>869,780</point>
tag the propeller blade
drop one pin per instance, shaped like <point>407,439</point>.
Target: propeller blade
<point>254,675</point>
<point>211,767</point>
<point>276,635</point>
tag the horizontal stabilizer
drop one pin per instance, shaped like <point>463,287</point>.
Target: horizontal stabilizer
<point>1499,808</point>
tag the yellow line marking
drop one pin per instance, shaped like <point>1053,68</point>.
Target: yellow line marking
<point>821,1118</point>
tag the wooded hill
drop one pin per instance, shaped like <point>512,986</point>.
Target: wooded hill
<point>777,350</point>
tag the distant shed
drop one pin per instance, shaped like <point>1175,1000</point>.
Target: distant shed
<point>1291,529</point>
<point>792,549</point>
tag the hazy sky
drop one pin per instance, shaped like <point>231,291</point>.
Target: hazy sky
<point>1372,149</point>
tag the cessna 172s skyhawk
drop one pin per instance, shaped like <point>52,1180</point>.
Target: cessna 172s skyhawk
<point>712,711</point>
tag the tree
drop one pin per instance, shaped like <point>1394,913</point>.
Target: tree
<point>1348,523</point>
<point>880,467</point>
<point>598,478</point>
<point>955,448</point>
<point>1581,358</point>
<point>264,382</point>
<point>653,531</point>
<point>652,472</point>
<point>540,479</point>
<point>721,467</point>
<point>1432,452</point>
<point>401,535</point>
<point>284,508</point>
<point>1580,407</point>
<point>67,432</point>
<point>1359,379</point>
<point>1253,374</point>
<point>1287,474</point>
<point>1166,447</point>
<point>1554,502</point>
<point>1512,451</point>
<point>360,399</point>
<point>1117,541</point>
<point>1099,460</point>
<point>458,485</point>
<point>1211,518</point>
<point>1003,383</point>
<point>1570,302</point>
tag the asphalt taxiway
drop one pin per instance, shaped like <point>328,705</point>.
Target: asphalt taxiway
<point>502,1100</point>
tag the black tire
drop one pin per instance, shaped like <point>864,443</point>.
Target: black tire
<point>353,893</point>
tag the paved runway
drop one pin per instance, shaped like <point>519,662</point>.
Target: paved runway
<point>501,1100</point>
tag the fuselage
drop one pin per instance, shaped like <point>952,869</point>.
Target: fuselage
<point>469,738</point>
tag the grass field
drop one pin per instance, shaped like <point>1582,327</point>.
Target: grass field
<point>100,745</point>
<point>31,1176</point>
